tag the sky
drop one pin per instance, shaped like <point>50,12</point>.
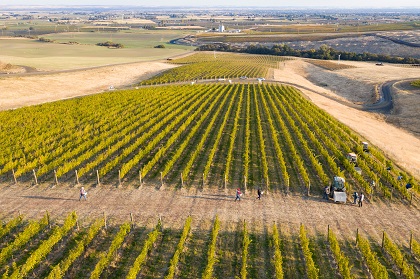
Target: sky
<point>231,3</point>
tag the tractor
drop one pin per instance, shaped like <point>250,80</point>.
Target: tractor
<point>338,189</point>
<point>365,146</point>
<point>352,157</point>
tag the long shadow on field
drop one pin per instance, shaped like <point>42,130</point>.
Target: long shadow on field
<point>212,197</point>
<point>330,200</point>
<point>217,195</point>
<point>46,198</point>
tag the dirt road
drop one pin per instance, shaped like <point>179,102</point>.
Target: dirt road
<point>147,203</point>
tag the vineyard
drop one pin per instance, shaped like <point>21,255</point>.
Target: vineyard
<point>329,65</point>
<point>180,149</point>
<point>46,248</point>
<point>216,136</point>
<point>207,65</point>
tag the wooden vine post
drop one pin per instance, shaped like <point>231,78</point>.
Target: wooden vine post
<point>105,223</point>
<point>98,183</point>
<point>36,179</point>
<point>55,177</point>
<point>411,241</point>
<point>132,220</point>
<point>357,235</point>
<point>160,222</point>
<point>309,188</point>
<point>119,177</point>
<point>182,181</point>
<point>328,233</point>
<point>77,178</point>
<point>14,176</point>
<point>48,219</point>
<point>383,239</point>
<point>141,182</point>
<point>203,181</point>
<point>244,183</point>
<point>287,186</point>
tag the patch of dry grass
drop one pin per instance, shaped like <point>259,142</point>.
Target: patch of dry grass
<point>7,68</point>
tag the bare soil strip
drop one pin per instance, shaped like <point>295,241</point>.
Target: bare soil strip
<point>26,90</point>
<point>148,203</point>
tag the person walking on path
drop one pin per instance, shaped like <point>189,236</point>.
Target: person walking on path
<point>326,192</point>
<point>83,194</point>
<point>259,192</point>
<point>238,194</point>
<point>361,198</point>
<point>355,197</point>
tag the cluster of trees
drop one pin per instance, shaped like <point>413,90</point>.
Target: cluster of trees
<point>45,40</point>
<point>110,44</point>
<point>324,52</point>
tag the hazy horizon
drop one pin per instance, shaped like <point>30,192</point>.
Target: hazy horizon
<point>374,4</point>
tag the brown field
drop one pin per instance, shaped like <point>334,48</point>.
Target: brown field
<point>148,202</point>
<point>25,90</point>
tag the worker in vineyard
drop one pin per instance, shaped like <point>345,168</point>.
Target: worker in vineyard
<point>326,192</point>
<point>83,194</point>
<point>355,197</point>
<point>259,193</point>
<point>238,194</point>
<point>361,198</point>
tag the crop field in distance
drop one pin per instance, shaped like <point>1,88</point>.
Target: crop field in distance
<point>79,50</point>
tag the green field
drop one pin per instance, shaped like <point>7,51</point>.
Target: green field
<point>132,39</point>
<point>139,46</point>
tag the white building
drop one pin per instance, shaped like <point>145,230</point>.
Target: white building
<point>221,28</point>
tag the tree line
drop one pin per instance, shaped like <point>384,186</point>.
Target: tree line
<point>324,52</point>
